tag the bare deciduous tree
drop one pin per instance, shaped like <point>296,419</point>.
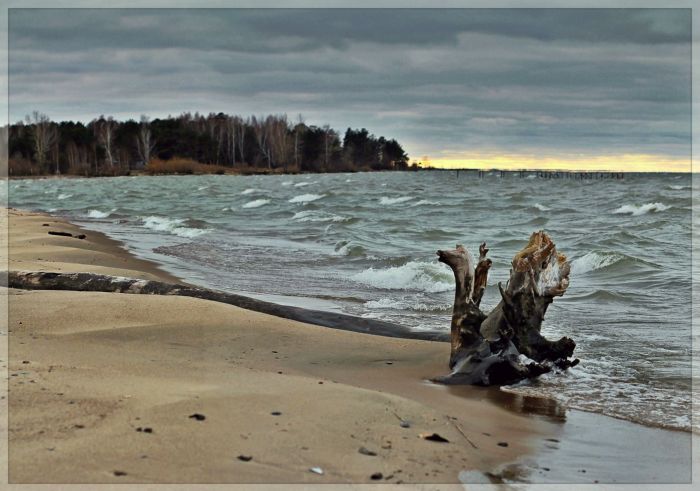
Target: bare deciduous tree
<point>327,135</point>
<point>298,131</point>
<point>105,127</point>
<point>279,129</point>
<point>45,135</point>
<point>241,127</point>
<point>144,140</point>
<point>262,135</point>
<point>232,123</point>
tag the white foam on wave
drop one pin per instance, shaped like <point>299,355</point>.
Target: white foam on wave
<point>287,183</point>
<point>641,210</point>
<point>347,248</point>
<point>302,184</point>
<point>317,216</point>
<point>256,203</point>
<point>679,188</point>
<point>172,226</point>
<point>202,188</point>
<point>100,214</point>
<point>541,207</point>
<point>385,200</point>
<point>382,303</point>
<point>403,304</point>
<point>425,202</point>
<point>431,277</point>
<point>306,198</point>
<point>593,261</point>
<point>65,196</point>
<point>251,191</point>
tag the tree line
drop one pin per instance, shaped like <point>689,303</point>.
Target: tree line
<point>271,143</point>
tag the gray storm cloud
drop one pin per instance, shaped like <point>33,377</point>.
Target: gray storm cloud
<point>525,80</point>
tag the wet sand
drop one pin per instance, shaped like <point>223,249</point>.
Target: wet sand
<point>596,449</point>
<point>104,388</point>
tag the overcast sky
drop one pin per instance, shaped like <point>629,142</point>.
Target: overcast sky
<point>449,84</point>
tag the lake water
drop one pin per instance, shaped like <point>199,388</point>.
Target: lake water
<point>365,244</point>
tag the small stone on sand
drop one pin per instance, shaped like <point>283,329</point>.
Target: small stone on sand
<point>434,437</point>
<point>366,451</point>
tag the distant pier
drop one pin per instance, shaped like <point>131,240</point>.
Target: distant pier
<point>575,175</point>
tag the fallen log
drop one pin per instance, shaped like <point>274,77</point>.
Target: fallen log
<point>43,280</point>
<point>488,349</point>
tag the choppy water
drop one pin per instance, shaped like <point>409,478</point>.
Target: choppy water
<point>365,244</point>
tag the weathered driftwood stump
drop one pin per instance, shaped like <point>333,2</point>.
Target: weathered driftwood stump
<point>505,345</point>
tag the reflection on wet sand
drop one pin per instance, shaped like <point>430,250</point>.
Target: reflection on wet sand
<point>591,448</point>
<point>548,408</point>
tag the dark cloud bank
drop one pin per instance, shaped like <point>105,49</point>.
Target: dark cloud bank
<point>561,82</point>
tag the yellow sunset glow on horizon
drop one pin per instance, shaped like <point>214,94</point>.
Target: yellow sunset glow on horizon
<point>614,163</point>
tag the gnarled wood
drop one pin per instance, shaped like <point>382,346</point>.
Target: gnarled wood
<point>486,349</point>
<point>481,274</point>
<point>466,315</point>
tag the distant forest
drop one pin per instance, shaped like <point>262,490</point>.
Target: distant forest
<point>194,143</point>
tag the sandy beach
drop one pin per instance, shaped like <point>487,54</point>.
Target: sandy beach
<point>112,388</point>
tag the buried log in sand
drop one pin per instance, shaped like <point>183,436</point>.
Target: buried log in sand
<point>92,282</point>
<point>486,349</point>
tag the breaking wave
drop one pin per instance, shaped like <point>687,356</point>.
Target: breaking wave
<point>306,198</point>
<point>318,216</point>
<point>256,203</point>
<point>430,277</point>
<point>593,261</point>
<point>541,207</point>
<point>385,200</point>
<point>641,210</point>
<point>405,304</point>
<point>347,248</point>
<point>174,226</point>
<point>597,260</point>
<point>100,214</point>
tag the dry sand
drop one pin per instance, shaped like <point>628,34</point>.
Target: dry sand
<point>88,370</point>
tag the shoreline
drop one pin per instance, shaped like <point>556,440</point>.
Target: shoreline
<point>369,384</point>
<point>539,421</point>
<point>305,311</point>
